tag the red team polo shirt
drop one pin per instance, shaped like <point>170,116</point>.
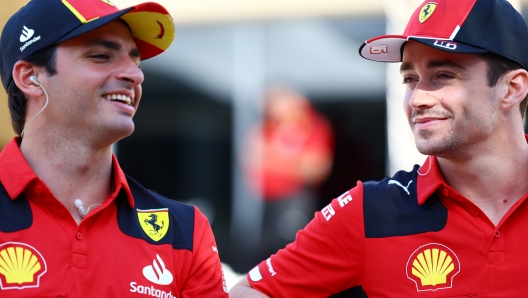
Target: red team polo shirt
<point>137,244</point>
<point>405,236</point>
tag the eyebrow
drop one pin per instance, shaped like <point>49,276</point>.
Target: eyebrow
<point>432,64</point>
<point>113,46</point>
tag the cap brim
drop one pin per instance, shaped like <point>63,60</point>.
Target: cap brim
<point>94,24</point>
<point>452,46</point>
<point>150,24</point>
<point>386,48</point>
<point>389,48</point>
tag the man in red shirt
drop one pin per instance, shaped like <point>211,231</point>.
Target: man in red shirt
<point>456,226</point>
<point>72,224</point>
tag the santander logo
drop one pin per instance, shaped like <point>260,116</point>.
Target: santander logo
<point>26,34</point>
<point>157,272</point>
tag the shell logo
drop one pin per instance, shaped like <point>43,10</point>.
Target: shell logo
<point>21,266</point>
<point>432,267</point>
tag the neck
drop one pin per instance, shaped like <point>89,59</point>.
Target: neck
<point>488,177</point>
<point>71,170</point>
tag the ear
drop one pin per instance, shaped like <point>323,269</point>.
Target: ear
<point>22,71</point>
<point>517,83</point>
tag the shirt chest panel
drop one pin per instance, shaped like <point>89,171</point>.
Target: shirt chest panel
<point>94,259</point>
<point>465,258</point>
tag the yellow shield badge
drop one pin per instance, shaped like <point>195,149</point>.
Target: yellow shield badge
<point>426,11</point>
<point>154,222</point>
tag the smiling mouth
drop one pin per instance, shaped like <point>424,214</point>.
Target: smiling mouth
<point>120,98</point>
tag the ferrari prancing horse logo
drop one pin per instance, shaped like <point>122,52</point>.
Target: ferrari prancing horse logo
<point>426,11</point>
<point>154,222</point>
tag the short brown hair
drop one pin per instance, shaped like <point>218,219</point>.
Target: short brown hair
<point>499,66</point>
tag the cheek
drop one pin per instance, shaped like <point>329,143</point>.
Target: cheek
<point>406,104</point>
<point>138,92</point>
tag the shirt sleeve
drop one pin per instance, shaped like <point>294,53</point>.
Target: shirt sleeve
<point>326,258</point>
<point>205,278</point>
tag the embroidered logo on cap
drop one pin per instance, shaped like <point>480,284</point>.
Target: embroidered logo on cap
<point>432,267</point>
<point>21,266</point>
<point>446,44</point>
<point>154,222</point>
<point>378,49</point>
<point>26,34</point>
<point>162,30</point>
<point>426,11</point>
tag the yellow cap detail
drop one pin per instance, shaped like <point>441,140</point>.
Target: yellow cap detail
<point>158,28</point>
<point>432,267</point>
<point>18,265</point>
<point>426,11</point>
<point>75,12</point>
<point>154,222</point>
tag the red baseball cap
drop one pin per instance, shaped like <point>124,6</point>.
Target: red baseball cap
<point>458,26</point>
<point>42,23</point>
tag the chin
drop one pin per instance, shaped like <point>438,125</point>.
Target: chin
<point>121,131</point>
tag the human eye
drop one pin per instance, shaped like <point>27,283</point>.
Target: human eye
<point>445,76</point>
<point>408,80</point>
<point>99,56</point>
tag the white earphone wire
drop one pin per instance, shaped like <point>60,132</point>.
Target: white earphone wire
<point>430,165</point>
<point>45,105</point>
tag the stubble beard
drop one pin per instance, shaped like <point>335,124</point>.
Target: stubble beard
<point>449,146</point>
<point>458,141</point>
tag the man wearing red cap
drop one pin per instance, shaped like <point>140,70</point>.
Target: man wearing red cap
<point>455,226</point>
<point>72,224</point>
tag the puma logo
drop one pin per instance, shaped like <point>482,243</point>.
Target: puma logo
<point>400,185</point>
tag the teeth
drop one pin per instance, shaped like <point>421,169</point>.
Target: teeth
<point>119,97</point>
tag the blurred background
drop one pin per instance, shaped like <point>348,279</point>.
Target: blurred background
<point>261,112</point>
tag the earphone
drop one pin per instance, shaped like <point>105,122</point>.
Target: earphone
<point>79,204</point>
<point>35,81</point>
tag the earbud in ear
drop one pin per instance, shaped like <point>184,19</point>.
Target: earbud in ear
<point>34,80</point>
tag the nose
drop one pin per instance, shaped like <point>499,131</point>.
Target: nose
<point>131,73</point>
<point>421,98</point>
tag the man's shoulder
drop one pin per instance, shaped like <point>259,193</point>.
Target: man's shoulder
<point>159,220</point>
<point>391,207</point>
<point>149,199</point>
<point>15,215</point>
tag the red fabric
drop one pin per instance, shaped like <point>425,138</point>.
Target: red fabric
<point>332,254</point>
<point>95,258</point>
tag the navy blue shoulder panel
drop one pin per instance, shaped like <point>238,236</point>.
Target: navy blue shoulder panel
<point>15,215</point>
<point>181,217</point>
<point>355,292</point>
<point>391,208</point>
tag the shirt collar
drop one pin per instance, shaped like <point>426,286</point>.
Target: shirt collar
<point>120,181</point>
<point>20,174</point>
<point>429,183</point>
